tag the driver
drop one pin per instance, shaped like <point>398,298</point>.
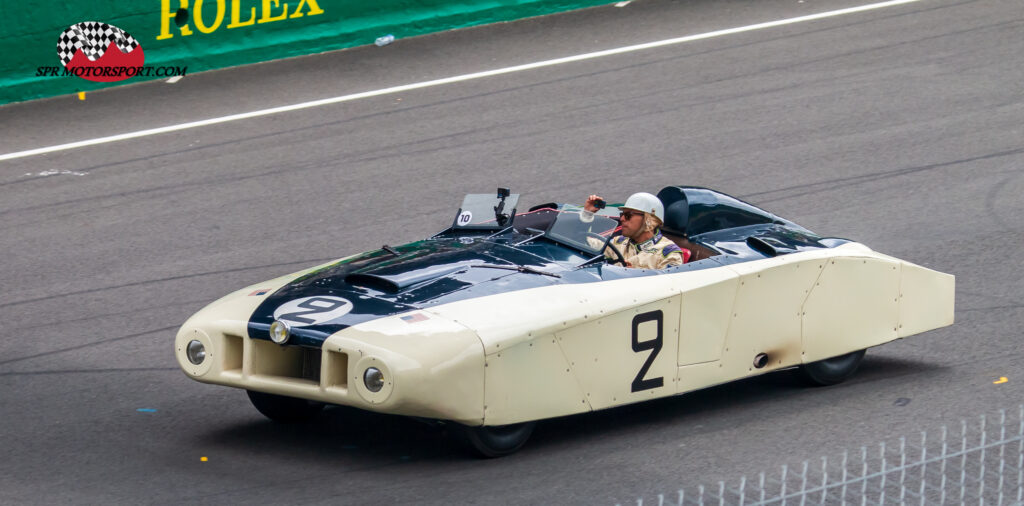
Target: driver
<point>641,243</point>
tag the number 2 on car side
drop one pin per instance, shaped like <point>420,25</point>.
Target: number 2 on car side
<point>654,345</point>
<point>625,356</point>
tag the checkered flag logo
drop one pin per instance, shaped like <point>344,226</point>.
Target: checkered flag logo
<point>93,38</point>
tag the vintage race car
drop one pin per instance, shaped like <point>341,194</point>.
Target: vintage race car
<point>506,318</point>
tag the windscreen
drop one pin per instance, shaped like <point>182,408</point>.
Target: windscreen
<point>479,211</point>
<point>579,229</point>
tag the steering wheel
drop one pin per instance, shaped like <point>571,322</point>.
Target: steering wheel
<point>619,259</point>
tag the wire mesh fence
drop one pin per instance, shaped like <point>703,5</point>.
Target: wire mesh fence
<point>979,462</point>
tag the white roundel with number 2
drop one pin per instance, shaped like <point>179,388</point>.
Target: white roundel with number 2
<point>465,217</point>
<point>312,310</point>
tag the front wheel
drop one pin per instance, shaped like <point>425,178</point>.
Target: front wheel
<point>831,370</point>
<point>494,441</point>
<point>284,409</point>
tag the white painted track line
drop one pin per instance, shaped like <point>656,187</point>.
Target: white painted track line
<point>449,80</point>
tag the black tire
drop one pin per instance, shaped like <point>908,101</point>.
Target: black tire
<point>831,370</point>
<point>493,441</point>
<point>284,409</point>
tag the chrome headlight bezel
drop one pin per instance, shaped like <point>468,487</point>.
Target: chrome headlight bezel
<point>280,332</point>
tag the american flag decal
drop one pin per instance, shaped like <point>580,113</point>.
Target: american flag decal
<point>413,318</point>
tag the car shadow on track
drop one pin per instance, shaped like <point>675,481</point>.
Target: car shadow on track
<point>727,402</point>
<point>342,434</point>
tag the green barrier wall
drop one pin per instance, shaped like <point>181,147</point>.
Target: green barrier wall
<point>223,33</point>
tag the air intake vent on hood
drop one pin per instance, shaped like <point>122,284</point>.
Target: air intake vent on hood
<point>396,282</point>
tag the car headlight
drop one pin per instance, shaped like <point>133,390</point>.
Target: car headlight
<point>373,379</point>
<point>196,352</point>
<point>279,332</point>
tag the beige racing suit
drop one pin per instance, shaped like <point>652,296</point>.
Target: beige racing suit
<point>654,253</point>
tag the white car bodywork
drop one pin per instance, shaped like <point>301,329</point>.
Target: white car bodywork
<point>569,348</point>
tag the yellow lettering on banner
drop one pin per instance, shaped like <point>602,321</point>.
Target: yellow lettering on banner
<point>314,9</point>
<point>270,11</point>
<point>198,17</point>
<point>236,15</point>
<point>167,16</point>
<point>267,18</point>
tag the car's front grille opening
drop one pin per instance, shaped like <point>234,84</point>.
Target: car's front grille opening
<point>270,359</point>
<point>296,362</point>
<point>232,356</point>
<point>311,364</point>
<point>336,370</point>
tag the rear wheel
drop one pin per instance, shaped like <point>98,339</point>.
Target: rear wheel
<point>284,409</point>
<point>494,441</point>
<point>831,370</point>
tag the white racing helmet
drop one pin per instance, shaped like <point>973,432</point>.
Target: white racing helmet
<point>647,203</point>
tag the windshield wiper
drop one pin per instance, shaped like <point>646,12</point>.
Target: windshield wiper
<point>589,262</point>
<point>520,268</point>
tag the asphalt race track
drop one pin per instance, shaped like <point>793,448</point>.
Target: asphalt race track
<point>899,127</point>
